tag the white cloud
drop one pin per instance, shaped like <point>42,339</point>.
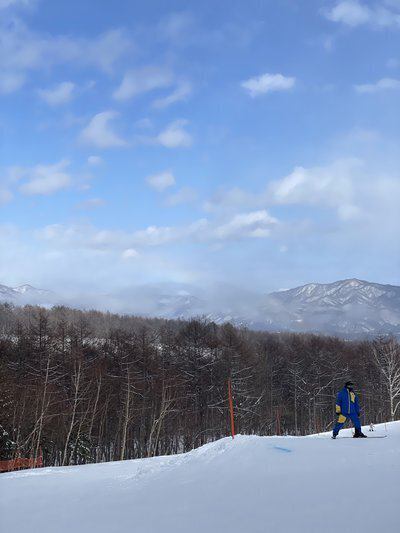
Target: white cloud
<point>99,132</point>
<point>161,181</point>
<point>235,198</point>
<point>267,83</point>
<point>49,264</point>
<point>58,95</point>
<point>185,195</point>
<point>393,63</point>
<point>8,178</point>
<point>348,212</point>
<point>182,92</point>
<point>11,81</point>
<point>4,4</point>
<point>354,189</point>
<point>256,224</point>
<point>45,179</point>
<point>336,186</point>
<point>5,195</point>
<point>350,12</point>
<point>176,26</point>
<point>141,81</point>
<point>150,78</point>
<point>105,50</point>
<point>144,124</point>
<point>91,203</point>
<point>357,195</point>
<point>354,13</point>
<point>332,186</point>
<point>80,237</point>
<point>158,235</point>
<point>184,29</point>
<point>175,136</point>
<point>94,160</point>
<point>23,51</point>
<point>358,136</point>
<point>328,42</point>
<point>129,253</point>
<point>385,84</point>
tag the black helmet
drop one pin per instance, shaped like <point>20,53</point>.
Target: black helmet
<point>349,384</point>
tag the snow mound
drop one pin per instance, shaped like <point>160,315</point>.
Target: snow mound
<point>252,484</point>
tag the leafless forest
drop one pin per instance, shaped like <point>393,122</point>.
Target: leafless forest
<point>88,386</point>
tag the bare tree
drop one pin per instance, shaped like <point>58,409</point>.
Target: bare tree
<point>91,386</point>
<point>387,358</point>
<point>165,406</point>
<point>75,402</point>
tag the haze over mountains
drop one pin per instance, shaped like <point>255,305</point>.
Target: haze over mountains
<point>25,294</point>
<point>349,308</point>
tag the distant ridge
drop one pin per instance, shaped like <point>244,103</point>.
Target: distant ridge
<point>346,307</point>
<point>24,294</point>
<point>350,308</point>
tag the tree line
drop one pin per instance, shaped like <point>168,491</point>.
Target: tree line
<point>85,386</point>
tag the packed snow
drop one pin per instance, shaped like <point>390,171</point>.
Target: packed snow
<point>249,484</point>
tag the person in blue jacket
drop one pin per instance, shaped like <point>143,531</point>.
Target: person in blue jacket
<point>347,406</point>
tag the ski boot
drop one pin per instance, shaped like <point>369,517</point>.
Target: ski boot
<point>358,434</point>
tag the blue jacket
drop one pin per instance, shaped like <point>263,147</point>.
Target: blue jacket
<point>347,403</point>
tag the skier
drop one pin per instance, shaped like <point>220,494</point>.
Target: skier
<point>347,406</point>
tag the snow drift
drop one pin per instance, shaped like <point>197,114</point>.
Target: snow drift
<point>252,484</point>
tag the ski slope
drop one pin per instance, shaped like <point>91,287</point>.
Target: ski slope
<point>252,484</point>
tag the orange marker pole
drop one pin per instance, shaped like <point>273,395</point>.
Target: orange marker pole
<point>231,408</point>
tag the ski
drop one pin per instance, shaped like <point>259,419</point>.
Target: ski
<point>368,437</point>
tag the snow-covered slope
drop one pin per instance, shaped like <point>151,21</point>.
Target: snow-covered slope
<point>252,484</point>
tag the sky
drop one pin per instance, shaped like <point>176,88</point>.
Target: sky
<point>246,144</point>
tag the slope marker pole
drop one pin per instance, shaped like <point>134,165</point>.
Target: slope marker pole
<point>231,408</point>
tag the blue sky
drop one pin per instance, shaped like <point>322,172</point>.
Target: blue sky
<point>253,144</point>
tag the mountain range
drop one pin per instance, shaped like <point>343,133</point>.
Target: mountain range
<point>23,294</point>
<point>349,308</point>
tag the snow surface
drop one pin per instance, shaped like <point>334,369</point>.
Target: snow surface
<point>252,484</point>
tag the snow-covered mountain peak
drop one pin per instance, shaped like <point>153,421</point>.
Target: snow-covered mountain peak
<point>347,307</point>
<point>24,294</point>
<point>339,290</point>
<point>23,289</point>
